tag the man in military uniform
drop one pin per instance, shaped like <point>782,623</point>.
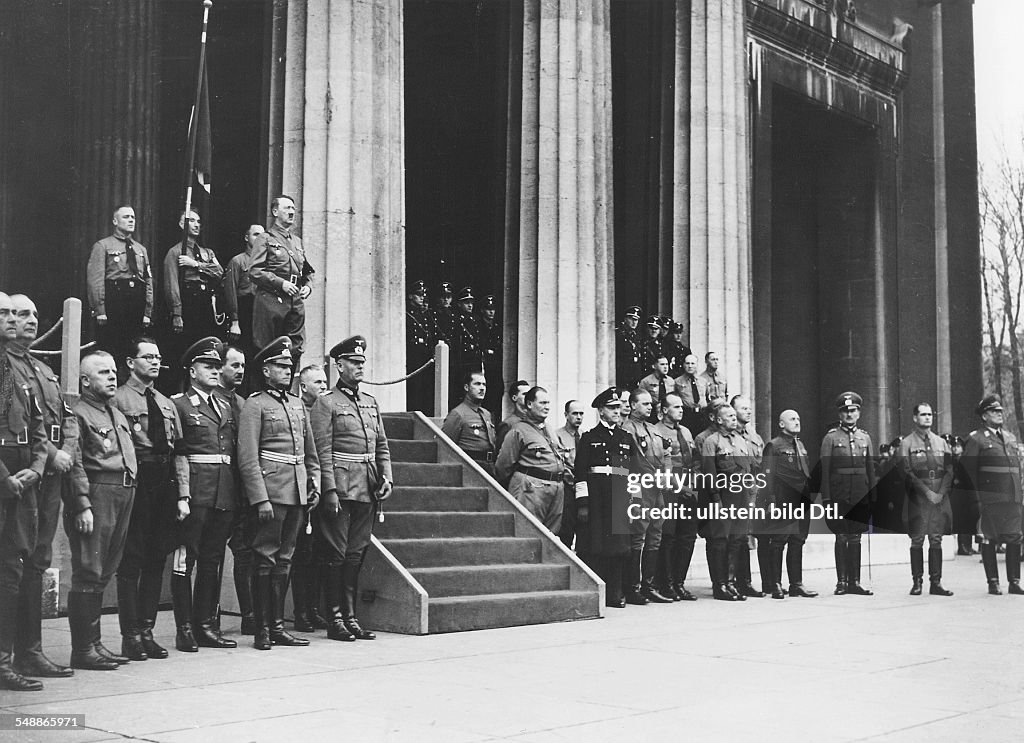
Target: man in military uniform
<point>787,476</point>
<point>711,383</point>
<point>356,477</point>
<point>689,392</point>
<point>755,446</point>
<point>658,384</point>
<point>97,508</point>
<point>530,465</point>
<point>992,470</point>
<point>469,424</point>
<point>517,394</point>
<point>604,459</point>
<point>444,315</point>
<point>628,354</point>
<point>419,347</point>
<point>192,275</point>
<point>155,428</point>
<point>23,455</point>
<point>280,473</point>
<point>651,348</point>
<point>61,428</point>
<point>927,465</point>
<point>205,462</point>
<point>847,476</point>
<point>491,350</point>
<point>281,274</point>
<point>678,535</point>
<point>568,438</point>
<point>239,292</point>
<point>466,351</point>
<point>675,349</point>
<point>120,285</point>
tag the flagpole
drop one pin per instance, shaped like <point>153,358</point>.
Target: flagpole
<point>193,124</point>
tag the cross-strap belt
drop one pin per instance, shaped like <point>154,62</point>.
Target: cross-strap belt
<point>273,456</point>
<point>342,456</point>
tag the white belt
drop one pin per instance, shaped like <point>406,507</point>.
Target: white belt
<point>606,470</point>
<point>341,456</point>
<point>209,458</point>
<point>273,456</point>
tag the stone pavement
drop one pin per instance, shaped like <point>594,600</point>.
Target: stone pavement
<point>886,668</point>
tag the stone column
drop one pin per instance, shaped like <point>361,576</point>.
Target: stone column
<point>559,285</point>
<point>343,159</point>
<point>712,189</point>
<point>115,68</point>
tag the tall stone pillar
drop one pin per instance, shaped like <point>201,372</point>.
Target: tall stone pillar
<point>343,159</point>
<point>715,192</point>
<point>115,67</point>
<point>559,284</point>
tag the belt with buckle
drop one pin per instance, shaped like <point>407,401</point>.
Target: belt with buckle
<point>540,474</point>
<point>607,470</point>
<point>124,283</point>
<point>273,456</point>
<point>55,433</point>
<point>124,478</point>
<point>20,440</point>
<point>209,458</point>
<point>342,456</point>
<point>480,456</point>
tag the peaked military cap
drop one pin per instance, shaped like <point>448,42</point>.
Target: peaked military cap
<point>353,349</point>
<point>653,321</point>
<point>489,302</point>
<point>418,287</point>
<point>990,402</point>
<point>665,321</point>
<point>279,349</point>
<point>848,400</point>
<point>466,295</point>
<point>675,327</point>
<point>444,289</point>
<point>607,399</point>
<point>633,311</point>
<point>204,349</point>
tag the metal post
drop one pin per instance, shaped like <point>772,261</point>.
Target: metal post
<point>441,352</point>
<point>71,347</point>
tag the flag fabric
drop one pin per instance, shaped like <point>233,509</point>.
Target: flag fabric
<point>204,139</point>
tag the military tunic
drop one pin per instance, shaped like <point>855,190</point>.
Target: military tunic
<point>604,459</point>
<point>189,292</point>
<point>628,358</point>
<point>927,464</point>
<point>419,348</point>
<point>277,257</point>
<point>730,455</point>
<point>651,457</point>
<point>115,290</point>
<point>847,477</point>
<point>787,477</point>
<point>529,461</point>
<point>472,430</point>
<point>992,470</point>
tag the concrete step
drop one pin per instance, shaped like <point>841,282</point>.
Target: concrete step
<point>428,553</point>
<point>460,613</point>
<point>404,450</point>
<point>422,473</point>
<point>463,580</point>
<point>398,425</point>
<point>436,499</point>
<point>420,524</point>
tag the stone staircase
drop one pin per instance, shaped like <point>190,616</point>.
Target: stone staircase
<point>455,552</point>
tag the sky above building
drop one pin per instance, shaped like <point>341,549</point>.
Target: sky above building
<point>998,58</point>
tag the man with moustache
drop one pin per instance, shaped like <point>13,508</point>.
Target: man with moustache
<point>469,424</point>
<point>192,275</point>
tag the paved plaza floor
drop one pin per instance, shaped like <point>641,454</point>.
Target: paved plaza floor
<point>891,667</point>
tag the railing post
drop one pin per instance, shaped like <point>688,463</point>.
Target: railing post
<point>441,362</point>
<point>71,346</point>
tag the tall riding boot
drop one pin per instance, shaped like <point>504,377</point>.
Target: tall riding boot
<point>150,586</point>
<point>613,568</point>
<point>682,569</point>
<point>988,559</point>
<point>300,598</point>
<point>734,566</point>
<point>29,659</point>
<point>841,571</point>
<point>631,586</point>
<point>772,563</point>
<point>314,593</point>
<point>765,565</point>
<point>795,568</point>
<point>935,572</point>
<point>663,579</point>
<point>128,617</point>
<point>278,634</point>
<point>181,596</point>
<point>1013,569</point>
<point>81,621</point>
<point>263,599</point>
<point>9,678</point>
<point>648,566</point>
<point>718,550</point>
<point>711,555</point>
<point>853,565</point>
<point>916,569</point>
<point>350,593</point>
<point>94,601</point>
<point>744,578</point>
<point>334,590</point>
<point>242,573</point>
<point>204,612</point>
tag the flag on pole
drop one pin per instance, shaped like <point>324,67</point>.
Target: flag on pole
<point>203,137</point>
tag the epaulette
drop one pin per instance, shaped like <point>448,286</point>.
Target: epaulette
<point>833,429</point>
<point>973,432</point>
<point>257,393</point>
<point>176,395</point>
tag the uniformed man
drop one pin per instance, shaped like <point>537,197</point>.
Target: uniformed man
<point>205,460</point>
<point>755,446</point>
<point>675,349</point>
<point>530,465</point>
<point>281,274</point>
<point>61,429</point>
<point>689,392</point>
<point>605,458</point>
<point>356,477</point>
<point>625,407</point>
<point>97,508</point>
<point>307,563</point>
<point>280,472</point>
<point>155,427</point>
<point>192,276</point>
<point>628,350</point>
<point>787,476</point>
<point>847,476</point>
<point>992,470</point>
<point>467,354</point>
<point>927,465</point>
<point>444,315</point>
<point>469,423</point>
<point>419,347</point>
<point>678,535</point>
<point>964,505</point>
<point>239,292</point>
<point>491,350</point>
<point>651,348</point>
<point>711,383</point>
<point>120,285</point>
<point>23,455</point>
<point>658,385</point>
<point>517,394</point>
<point>568,438</point>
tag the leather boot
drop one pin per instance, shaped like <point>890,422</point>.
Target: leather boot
<point>733,567</point>
<point>611,569</point>
<point>314,594</point>
<point>1013,569</point>
<point>988,560</point>
<point>631,584</point>
<point>262,601</point>
<point>29,659</point>
<point>648,565</point>
<point>683,569</point>
<point>935,572</point>
<point>128,618</point>
<point>719,565</point>
<point>664,582</point>
<point>916,569</point>
<point>278,634</point>
<point>766,565</point>
<point>853,566</point>
<point>84,620</point>
<point>350,595</point>
<point>181,596</point>
<point>150,585</point>
<point>204,612</point>
<point>795,568</point>
<point>300,598</point>
<point>242,573</point>
<point>744,578</point>
<point>333,590</point>
<point>841,574</point>
<point>9,678</point>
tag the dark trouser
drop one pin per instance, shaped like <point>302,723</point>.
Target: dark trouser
<point>125,307</point>
<point>568,528</point>
<point>345,539</point>
<point>678,539</point>
<point>274,316</point>
<point>794,556</point>
<point>273,541</point>
<point>29,633</point>
<point>95,556</point>
<point>17,538</point>
<point>306,564</point>
<point>1013,554</point>
<point>197,311</point>
<point>241,550</point>
<point>724,555</point>
<point>203,535</point>
<point>610,568</point>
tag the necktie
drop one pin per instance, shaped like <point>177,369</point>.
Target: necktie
<point>695,391</point>
<point>662,394</point>
<point>801,457</point>
<point>157,432</point>
<point>487,434</point>
<point>215,405</point>
<point>117,439</point>
<point>133,262</point>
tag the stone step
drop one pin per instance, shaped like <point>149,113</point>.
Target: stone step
<point>404,450</point>
<point>421,524</point>
<point>460,613</point>
<point>398,425</point>
<point>463,580</point>
<point>436,499</point>
<point>428,553</point>
<point>421,473</point>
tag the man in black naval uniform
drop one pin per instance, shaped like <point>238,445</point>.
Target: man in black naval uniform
<point>419,347</point>
<point>605,457</point>
<point>628,355</point>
